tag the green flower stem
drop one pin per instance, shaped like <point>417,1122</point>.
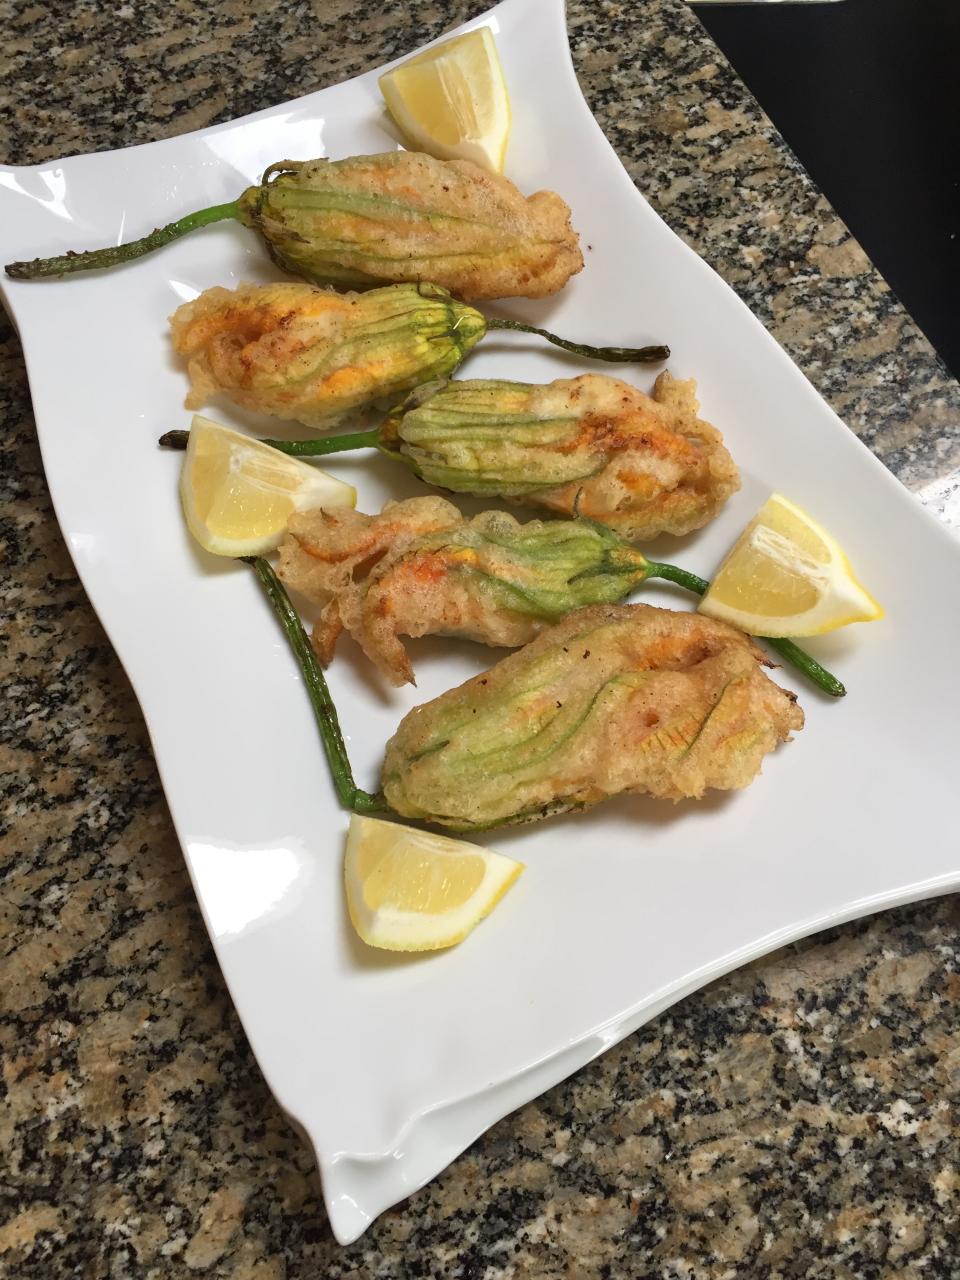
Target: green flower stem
<point>617,355</point>
<point>95,259</point>
<point>328,444</point>
<point>350,795</point>
<point>810,667</point>
<point>682,577</point>
<point>296,448</point>
<point>789,651</point>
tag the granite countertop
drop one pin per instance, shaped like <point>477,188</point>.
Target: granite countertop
<point>798,1118</point>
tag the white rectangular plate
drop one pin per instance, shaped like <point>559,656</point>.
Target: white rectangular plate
<point>392,1066</point>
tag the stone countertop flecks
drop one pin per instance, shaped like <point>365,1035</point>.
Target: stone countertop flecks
<point>798,1118</point>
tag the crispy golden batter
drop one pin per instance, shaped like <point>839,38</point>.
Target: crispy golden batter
<point>613,699</point>
<point>403,216</point>
<point>420,569</point>
<point>314,356</point>
<point>592,446</point>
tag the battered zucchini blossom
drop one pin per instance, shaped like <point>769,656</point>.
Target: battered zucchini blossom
<point>613,699</point>
<point>420,569</point>
<point>592,446</point>
<point>400,217</point>
<point>314,356</point>
<point>404,216</point>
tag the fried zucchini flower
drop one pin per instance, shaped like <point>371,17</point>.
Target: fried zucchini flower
<point>420,569</point>
<point>404,216</point>
<point>392,218</point>
<point>592,446</point>
<point>314,356</point>
<point>614,699</point>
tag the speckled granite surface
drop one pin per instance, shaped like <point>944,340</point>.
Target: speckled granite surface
<point>799,1118</point>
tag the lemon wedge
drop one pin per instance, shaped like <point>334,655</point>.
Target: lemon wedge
<point>452,100</point>
<point>787,576</point>
<point>238,494</point>
<point>410,890</point>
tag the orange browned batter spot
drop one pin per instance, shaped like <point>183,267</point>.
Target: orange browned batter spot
<point>660,467</point>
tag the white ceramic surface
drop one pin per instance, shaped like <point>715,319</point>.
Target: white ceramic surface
<point>391,1067</point>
